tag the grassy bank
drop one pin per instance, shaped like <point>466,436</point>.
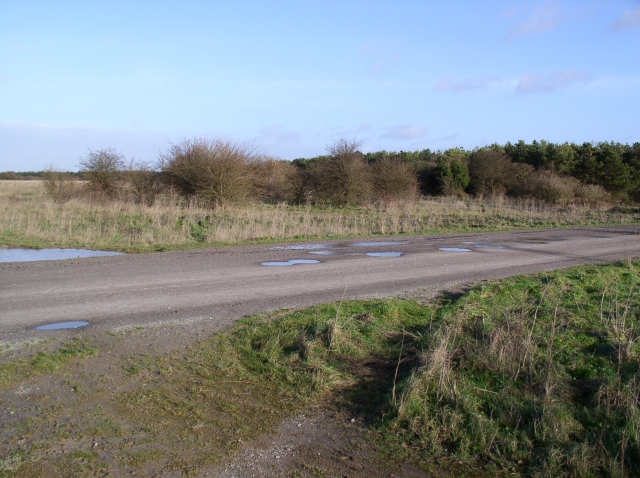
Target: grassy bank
<point>535,375</point>
<point>28,218</point>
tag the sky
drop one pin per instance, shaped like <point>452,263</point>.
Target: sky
<point>292,77</point>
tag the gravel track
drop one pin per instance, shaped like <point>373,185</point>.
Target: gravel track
<point>220,285</point>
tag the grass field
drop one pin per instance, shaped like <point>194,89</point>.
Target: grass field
<point>530,376</point>
<point>28,218</point>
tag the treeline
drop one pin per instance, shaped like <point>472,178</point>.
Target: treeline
<point>556,173</point>
<point>218,172</point>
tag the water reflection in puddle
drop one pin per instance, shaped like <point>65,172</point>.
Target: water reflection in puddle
<point>291,262</point>
<point>29,255</point>
<point>63,325</point>
<point>301,247</point>
<point>384,254</point>
<point>454,249</point>
<point>328,253</point>
<point>483,245</point>
<point>373,244</point>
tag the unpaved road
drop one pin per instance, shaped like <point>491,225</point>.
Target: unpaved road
<point>227,283</point>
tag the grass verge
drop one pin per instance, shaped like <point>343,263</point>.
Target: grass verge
<point>535,375</point>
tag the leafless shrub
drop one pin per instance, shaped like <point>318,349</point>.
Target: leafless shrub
<point>301,185</point>
<point>143,183</point>
<point>592,195</point>
<point>551,188</point>
<point>345,177</point>
<point>393,179</point>
<point>490,172</point>
<point>59,185</point>
<point>218,172</point>
<point>102,169</point>
<point>275,180</point>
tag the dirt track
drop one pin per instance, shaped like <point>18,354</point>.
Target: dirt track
<point>225,284</point>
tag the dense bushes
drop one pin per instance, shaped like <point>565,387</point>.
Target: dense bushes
<point>218,172</point>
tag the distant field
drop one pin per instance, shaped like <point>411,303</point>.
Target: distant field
<point>29,218</point>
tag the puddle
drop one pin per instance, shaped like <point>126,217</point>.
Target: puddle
<point>483,245</point>
<point>454,249</point>
<point>373,244</point>
<point>29,255</point>
<point>291,262</point>
<point>384,254</point>
<point>301,247</point>
<point>63,325</point>
<point>328,253</point>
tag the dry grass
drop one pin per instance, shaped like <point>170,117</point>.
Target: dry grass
<point>28,217</point>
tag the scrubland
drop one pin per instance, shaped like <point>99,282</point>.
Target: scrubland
<point>31,218</point>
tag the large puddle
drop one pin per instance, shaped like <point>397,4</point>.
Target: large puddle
<point>29,255</point>
<point>302,247</point>
<point>64,325</point>
<point>483,245</point>
<point>455,249</point>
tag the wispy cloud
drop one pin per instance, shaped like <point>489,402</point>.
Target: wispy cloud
<point>630,19</point>
<point>542,19</point>
<point>537,83</point>
<point>404,132</point>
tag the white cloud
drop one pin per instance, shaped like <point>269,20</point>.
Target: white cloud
<point>404,132</point>
<point>628,20</point>
<point>536,83</point>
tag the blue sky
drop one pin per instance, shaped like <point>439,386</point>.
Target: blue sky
<point>293,76</point>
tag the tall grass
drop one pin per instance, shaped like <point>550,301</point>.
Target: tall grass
<point>28,217</point>
<point>539,376</point>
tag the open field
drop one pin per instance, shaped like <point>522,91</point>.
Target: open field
<point>28,218</point>
<point>535,375</point>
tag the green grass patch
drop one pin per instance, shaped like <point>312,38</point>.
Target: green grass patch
<point>537,374</point>
<point>43,363</point>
